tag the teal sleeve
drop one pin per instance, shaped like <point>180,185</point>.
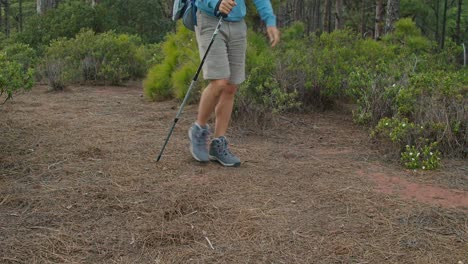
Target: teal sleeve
<point>265,10</point>
<point>210,3</point>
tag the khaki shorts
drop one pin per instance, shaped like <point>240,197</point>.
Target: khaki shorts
<point>226,58</point>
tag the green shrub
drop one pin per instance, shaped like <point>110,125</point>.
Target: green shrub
<point>157,85</point>
<point>172,77</point>
<point>13,77</point>
<point>107,57</point>
<point>181,79</point>
<point>261,95</point>
<point>22,54</point>
<point>430,107</point>
<point>316,67</point>
<point>63,22</point>
<point>426,158</point>
<point>408,38</point>
<point>145,18</point>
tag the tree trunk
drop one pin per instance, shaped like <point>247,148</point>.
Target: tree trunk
<point>44,5</point>
<point>21,15</point>
<point>458,26</point>
<point>1,16</point>
<point>393,14</point>
<point>327,19</point>
<point>6,4</point>
<point>363,17</point>
<point>444,25</point>
<point>339,15</point>
<point>379,19</point>
<point>437,15</point>
<point>318,17</point>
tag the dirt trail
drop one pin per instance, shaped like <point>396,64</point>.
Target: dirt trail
<point>78,184</point>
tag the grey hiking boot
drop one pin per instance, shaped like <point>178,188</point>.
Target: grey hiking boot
<point>219,151</point>
<point>199,142</point>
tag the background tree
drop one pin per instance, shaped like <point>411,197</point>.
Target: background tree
<point>363,17</point>
<point>458,36</point>
<point>6,8</point>
<point>1,16</point>
<point>393,14</point>
<point>379,19</point>
<point>44,5</point>
<point>339,15</point>
<point>20,15</point>
<point>327,18</point>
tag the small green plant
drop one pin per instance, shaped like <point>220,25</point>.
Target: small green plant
<point>13,77</point>
<point>426,158</point>
<point>399,131</point>
<point>411,157</point>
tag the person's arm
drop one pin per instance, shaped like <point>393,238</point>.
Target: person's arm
<point>265,10</point>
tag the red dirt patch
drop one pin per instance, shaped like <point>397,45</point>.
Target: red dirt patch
<point>418,191</point>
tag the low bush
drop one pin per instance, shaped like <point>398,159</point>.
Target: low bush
<point>13,77</point>
<point>63,22</point>
<point>104,58</point>
<point>22,54</point>
<point>171,78</point>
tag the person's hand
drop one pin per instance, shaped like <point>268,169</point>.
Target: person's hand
<point>273,35</point>
<point>226,6</point>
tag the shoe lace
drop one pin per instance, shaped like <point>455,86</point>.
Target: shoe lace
<point>223,149</point>
<point>202,137</point>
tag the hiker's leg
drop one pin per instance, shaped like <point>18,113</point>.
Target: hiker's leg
<point>209,99</point>
<point>224,109</point>
<point>236,53</point>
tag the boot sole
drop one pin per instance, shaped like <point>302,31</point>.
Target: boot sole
<point>213,158</point>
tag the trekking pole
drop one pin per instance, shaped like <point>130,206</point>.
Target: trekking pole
<point>192,84</point>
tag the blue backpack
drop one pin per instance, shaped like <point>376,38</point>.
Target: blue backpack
<point>187,11</point>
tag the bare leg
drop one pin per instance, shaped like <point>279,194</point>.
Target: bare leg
<point>209,99</point>
<point>224,108</point>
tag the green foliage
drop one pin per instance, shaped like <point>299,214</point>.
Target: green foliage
<point>13,77</point>
<point>107,57</point>
<point>424,13</point>
<point>419,152</point>
<point>429,107</point>
<point>426,158</point>
<point>22,54</point>
<point>313,66</point>
<point>409,38</point>
<point>151,53</point>
<point>145,18</point>
<point>400,131</point>
<point>261,96</point>
<point>172,77</point>
<point>63,22</point>
<point>181,79</point>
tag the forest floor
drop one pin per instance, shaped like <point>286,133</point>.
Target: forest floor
<point>79,184</point>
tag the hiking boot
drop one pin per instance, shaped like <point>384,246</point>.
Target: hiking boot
<point>199,142</point>
<point>219,151</point>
